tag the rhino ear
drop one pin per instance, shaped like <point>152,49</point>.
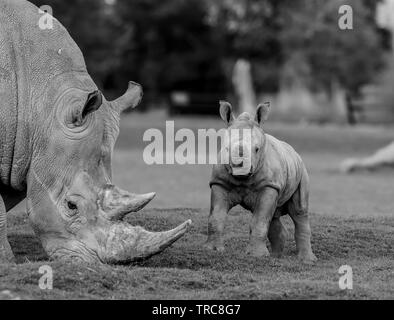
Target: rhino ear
<point>130,99</point>
<point>226,112</point>
<point>262,112</point>
<point>92,104</point>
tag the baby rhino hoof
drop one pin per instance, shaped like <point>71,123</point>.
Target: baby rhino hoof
<point>308,258</point>
<point>211,245</point>
<point>258,251</point>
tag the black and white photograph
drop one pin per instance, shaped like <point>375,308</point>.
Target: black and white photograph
<point>196,154</point>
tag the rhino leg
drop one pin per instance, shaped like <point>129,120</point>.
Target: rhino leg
<point>298,211</point>
<point>6,255</point>
<point>277,235</point>
<point>262,216</point>
<point>220,206</point>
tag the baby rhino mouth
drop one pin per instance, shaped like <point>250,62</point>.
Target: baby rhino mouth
<point>240,167</point>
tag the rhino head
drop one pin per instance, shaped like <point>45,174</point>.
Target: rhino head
<point>73,206</point>
<point>244,146</point>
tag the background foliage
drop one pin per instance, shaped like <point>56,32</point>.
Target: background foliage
<point>192,44</point>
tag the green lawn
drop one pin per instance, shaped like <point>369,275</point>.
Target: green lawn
<point>351,215</point>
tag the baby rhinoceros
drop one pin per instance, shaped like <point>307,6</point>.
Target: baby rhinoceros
<point>267,177</point>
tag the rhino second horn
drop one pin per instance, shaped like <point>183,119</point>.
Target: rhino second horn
<point>126,243</point>
<point>117,203</point>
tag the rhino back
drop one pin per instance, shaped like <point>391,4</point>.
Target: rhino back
<point>30,58</point>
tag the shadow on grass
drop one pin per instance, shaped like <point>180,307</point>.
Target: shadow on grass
<point>26,248</point>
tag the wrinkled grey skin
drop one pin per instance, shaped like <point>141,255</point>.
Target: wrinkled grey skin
<point>56,143</point>
<point>275,183</point>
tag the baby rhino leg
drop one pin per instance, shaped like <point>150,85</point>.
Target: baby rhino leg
<point>217,218</point>
<point>262,216</point>
<point>277,235</point>
<point>298,211</point>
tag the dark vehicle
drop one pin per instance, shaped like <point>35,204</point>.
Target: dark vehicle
<point>201,93</point>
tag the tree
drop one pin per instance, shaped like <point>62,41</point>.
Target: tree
<point>329,54</point>
<point>171,46</point>
<point>193,44</point>
<point>250,29</point>
<point>301,35</point>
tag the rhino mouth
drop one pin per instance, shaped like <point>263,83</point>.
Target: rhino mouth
<point>76,252</point>
<point>239,171</point>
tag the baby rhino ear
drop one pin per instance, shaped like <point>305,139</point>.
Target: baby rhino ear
<point>262,112</point>
<point>226,112</point>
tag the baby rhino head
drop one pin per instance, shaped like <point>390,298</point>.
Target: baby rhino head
<point>245,139</point>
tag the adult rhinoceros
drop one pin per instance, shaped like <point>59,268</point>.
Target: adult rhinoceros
<point>57,134</point>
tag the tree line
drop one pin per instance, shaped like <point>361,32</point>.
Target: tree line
<point>193,44</point>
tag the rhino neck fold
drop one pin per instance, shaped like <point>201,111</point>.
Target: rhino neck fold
<point>14,106</point>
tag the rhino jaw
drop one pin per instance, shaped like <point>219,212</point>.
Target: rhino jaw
<point>125,243</point>
<point>241,171</point>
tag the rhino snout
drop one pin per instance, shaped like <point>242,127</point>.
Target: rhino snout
<point>112,240</point>
<point>241,166</point>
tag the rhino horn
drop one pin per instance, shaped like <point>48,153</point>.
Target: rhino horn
<point>130,99</point>
<point>117,203</point>
<point>126,243</point>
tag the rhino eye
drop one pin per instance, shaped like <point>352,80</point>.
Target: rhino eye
<point>71,205</point>
<point>257,149</point>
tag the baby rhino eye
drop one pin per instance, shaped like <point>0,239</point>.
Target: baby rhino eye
<point>71,205</point>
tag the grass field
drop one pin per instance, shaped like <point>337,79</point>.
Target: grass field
<point>352,219</point>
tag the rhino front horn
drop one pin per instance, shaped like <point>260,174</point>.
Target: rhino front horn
<point>117,203</point>
<point>126,243</point>
<point>130,99</point>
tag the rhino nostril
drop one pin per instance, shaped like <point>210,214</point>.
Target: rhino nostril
<point>241,151</point>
